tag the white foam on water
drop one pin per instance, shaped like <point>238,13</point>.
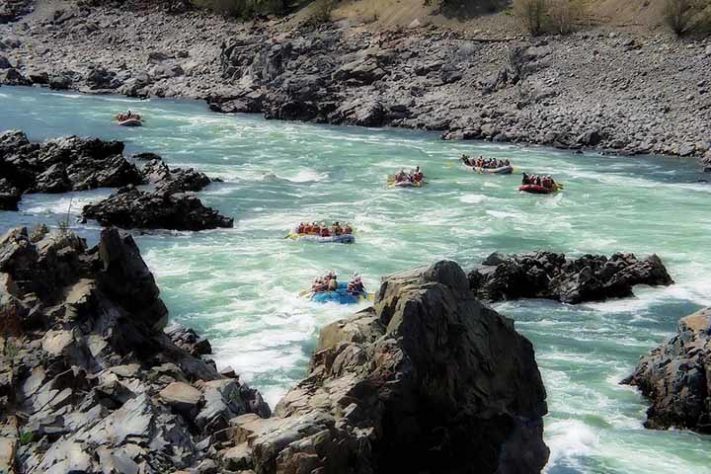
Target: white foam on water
<point>473,198</point>
<point>307,176</point>
<point>241,286</point>
<point>569,439</point>
<point>60,204</point>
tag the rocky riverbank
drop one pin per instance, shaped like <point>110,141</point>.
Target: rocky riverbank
<point>675,377</point>
<point>610,91</point>
<point>553,276</point>
<point>91,380</point>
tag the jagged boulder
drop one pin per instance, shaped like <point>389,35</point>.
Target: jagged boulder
<point>13,77</point>
<point>100,78</point>
<point>553,276</point>
<point>675,377</point>
<point>87,375</point>
<point>429,380</point>
<point>176,180</point>
<point>130,208</point>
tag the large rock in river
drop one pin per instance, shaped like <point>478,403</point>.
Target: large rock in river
<point>130,208</point>
<point>175,180</point>
<point>676,377</point>
<point>62,164</point>
<point>553,276</point>
<point>89,381</point>
<point>429,380</point>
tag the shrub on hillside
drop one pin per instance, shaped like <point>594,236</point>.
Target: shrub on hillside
<point>688,16</point>
<point>548,16</point>
<point>532,14</point>
<point>320,12</point>
<point>563,16</point>
<point>243,8</point>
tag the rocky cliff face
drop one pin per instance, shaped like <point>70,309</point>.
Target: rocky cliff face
<point>676,377</point>
<point>89,381</point>
<point>429,380</point>
<point>553,276</point>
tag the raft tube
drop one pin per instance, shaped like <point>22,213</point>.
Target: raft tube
<point>404,184</point>
<point>340,296</point>
<point>501,170</point>
<point>536,189</point>
<point>333,239</point>
<point>130,122</point>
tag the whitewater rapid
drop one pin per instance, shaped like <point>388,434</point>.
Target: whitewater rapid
<point>240,287</point>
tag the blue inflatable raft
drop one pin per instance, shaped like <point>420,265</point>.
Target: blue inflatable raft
<point>340,296</point>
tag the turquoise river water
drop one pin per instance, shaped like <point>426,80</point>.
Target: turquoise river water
<point>240,286</point>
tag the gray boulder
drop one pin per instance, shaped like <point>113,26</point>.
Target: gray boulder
<point>674,377</point>
<point>553,276</point>
<point>429,380</point>
<point>130,208</point>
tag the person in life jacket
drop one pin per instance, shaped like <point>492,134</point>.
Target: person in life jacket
<point>355,286</point>
<point>333,283</point>
<point>325,232</point>
<point>418,175</point>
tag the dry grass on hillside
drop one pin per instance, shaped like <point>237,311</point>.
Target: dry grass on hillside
<point>494,17</point>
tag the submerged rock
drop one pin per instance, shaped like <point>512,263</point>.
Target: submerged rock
<point>429,380</point>
<point>675,377</point>
<point>130,208</point>
<point>87,375</point>
<point>553,276</point>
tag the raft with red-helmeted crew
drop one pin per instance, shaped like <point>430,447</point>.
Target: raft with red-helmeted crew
<point>322,233</point>
<point>486,165</point>
<point>407,179</point>
<point>539,184</point>
<point>327,289</point>
<point>129,119</point>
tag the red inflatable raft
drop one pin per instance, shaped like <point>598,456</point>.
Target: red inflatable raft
<point>536,189</point>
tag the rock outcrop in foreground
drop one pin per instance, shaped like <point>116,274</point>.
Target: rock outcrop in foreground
<point>131,208</point>
<point>89,381</point>
<point>60,165</point>
<point>553,276</point>
<point>429,380</point>
<point>676,377</point>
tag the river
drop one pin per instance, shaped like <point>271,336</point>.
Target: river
<point>240,287</point>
